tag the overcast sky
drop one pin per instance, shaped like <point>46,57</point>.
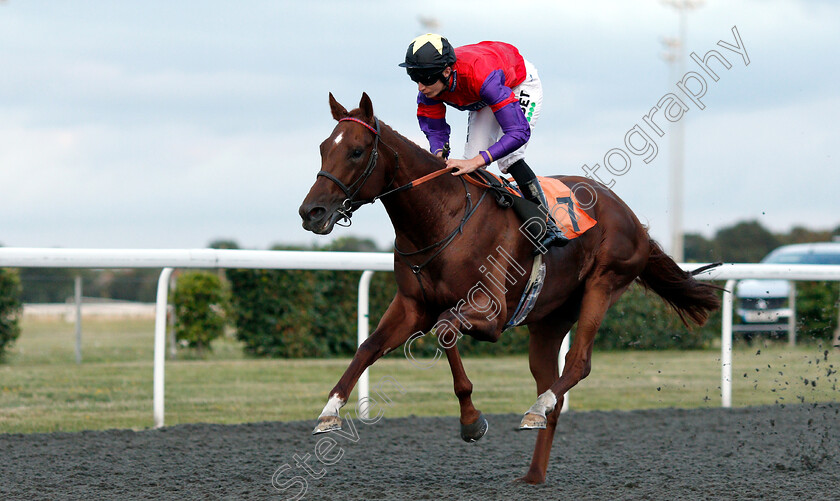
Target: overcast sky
<point>170,124</point>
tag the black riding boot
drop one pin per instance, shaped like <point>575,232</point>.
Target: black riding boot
<point>531,190</point>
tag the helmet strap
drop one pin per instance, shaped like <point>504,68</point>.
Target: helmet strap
<point>451,80</point>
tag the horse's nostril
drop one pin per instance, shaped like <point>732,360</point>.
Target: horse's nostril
<point>316,213</point>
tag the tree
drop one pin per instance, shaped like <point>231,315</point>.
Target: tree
<point>46,285</point>
<point>352,244</point>
<point>698,249</point>
<point>222,243</point>
<point>745,242</point>
<point>802,235</point>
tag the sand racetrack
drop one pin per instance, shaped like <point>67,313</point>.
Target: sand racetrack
<point>772,452</point>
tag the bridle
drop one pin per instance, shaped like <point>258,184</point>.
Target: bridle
<point>350,204</point>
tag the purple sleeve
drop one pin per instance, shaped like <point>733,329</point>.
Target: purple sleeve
<point>434,127</point>
<point>516,132</point>
<point>494,92</point>
<point>436,130</point>
<point>515,127</point>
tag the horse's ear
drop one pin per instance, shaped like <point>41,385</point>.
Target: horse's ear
<point>366,106</point>
<point>338,111</point>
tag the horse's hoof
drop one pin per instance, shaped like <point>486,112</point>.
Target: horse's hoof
<point>532,421</point>
<point>530,479</point>
<point>327,423</point>
<point>473,432</point>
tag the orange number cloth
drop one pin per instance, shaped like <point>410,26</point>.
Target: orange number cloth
<point>565,209</point>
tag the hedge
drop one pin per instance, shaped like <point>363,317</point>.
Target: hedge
<point>816,310</point>
<point>293,314</point>
<point>10,309</point>
<point>199,300</point>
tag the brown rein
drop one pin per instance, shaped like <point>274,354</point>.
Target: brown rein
<point>440,245</point>
<point>412,184</point>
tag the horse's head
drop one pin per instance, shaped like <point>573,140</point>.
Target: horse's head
<point>349,175</point>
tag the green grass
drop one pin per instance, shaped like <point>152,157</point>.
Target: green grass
<point>42,389</point>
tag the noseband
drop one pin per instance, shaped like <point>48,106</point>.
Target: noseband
<point>350,204</point>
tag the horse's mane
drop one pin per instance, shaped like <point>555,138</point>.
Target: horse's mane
<point>423,154</point>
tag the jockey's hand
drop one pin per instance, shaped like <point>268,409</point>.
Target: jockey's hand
<point>465,166</point>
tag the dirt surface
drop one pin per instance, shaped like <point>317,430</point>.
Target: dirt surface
<point>771,452</point>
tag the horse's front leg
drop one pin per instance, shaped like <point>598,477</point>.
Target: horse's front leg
<point>402,319</point>
<point>473,423</point>
<point>482,318</point>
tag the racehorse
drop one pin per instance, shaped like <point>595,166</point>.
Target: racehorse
<point>444,231</point>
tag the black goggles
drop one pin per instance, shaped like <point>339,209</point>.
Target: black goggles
<point>425,77</point>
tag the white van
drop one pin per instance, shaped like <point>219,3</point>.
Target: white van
<point>763,304</point>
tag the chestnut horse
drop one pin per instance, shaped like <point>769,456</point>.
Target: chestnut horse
<point>445,229</point>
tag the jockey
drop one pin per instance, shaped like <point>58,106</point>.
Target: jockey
<point>503,94</point>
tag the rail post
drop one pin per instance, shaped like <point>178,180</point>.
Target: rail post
<point>77,294</point>
<point>792,318</point>
<point>363,330</point>
<point>160,343</point>
<point>726,346</point>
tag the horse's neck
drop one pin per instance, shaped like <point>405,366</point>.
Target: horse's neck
<point>426,213</point>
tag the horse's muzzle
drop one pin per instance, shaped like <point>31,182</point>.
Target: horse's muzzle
<point>319,218</point>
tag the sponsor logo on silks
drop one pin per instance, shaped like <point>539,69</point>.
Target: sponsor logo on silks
<point>527,106</point>
<point>530,112</point>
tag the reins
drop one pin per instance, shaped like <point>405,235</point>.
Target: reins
<point>350,204</point>
<point>469,210</point>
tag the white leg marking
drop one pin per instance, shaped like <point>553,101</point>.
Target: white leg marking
<point>545,404</point>
<point>333,406</point>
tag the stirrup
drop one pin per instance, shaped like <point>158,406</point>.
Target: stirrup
<point>552,238</point>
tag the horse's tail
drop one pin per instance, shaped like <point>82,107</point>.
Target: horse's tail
<point>689,297</point>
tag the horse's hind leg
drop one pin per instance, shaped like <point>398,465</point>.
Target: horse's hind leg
<point>544,347</point>
<point>473,424</point>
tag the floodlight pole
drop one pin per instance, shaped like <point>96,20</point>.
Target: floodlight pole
<point>676,57</point>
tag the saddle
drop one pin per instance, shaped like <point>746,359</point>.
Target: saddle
<point>564,206</point>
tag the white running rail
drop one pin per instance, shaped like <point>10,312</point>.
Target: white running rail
<point>733,272</point>
<point>168,259</point>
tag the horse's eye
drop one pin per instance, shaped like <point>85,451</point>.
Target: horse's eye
<point>357,153</point>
